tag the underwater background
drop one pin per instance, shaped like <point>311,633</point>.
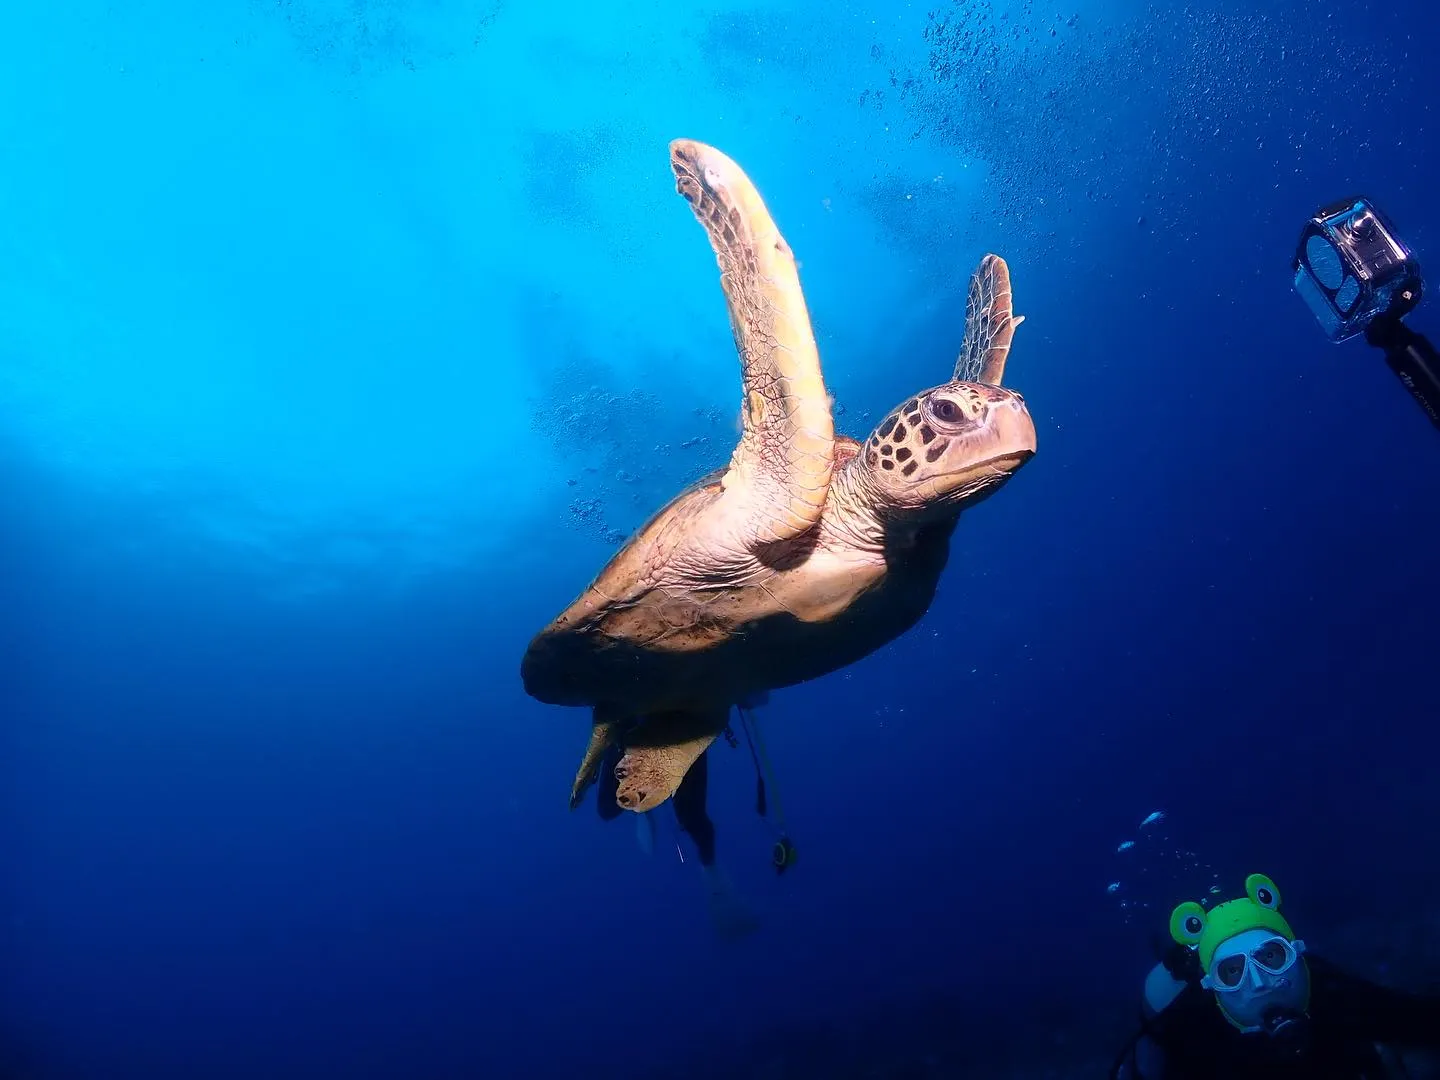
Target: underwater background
<point>341,343</point>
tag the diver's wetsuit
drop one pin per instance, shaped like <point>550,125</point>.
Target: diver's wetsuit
<point>1348,1015</point>
<point>689,800</point>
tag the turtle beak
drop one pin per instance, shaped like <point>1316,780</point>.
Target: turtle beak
<point>1012,429</point>
<point>1000,440</point>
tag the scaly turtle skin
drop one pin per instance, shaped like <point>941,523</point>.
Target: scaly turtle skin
<point>809,551</point>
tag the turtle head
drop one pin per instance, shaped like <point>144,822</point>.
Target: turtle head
<point>947,448</point>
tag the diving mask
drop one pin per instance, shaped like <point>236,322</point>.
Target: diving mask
<point>1265,954</point>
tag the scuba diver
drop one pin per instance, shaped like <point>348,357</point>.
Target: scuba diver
<point>1238,995</point>
<point>730,915</point>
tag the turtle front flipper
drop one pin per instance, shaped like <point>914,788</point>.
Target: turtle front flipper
<point>990,323</point>
<point>602,736</point>
<point>660,752</point>
<point>779,476</point>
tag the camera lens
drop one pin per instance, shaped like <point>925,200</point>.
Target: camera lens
<point>1324,262</point>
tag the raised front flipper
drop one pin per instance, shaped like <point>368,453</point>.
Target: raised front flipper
<point>779,474</point>
<point>990,323</point>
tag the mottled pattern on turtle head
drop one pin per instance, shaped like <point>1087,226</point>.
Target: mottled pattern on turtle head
<point>947,446</point>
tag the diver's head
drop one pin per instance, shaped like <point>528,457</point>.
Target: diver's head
<point>1252,961</point>
<point>1260,982</point>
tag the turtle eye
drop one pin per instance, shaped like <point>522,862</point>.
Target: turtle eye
<point>946,411</point>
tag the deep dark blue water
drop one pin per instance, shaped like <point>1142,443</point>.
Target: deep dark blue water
<point>340,344</point>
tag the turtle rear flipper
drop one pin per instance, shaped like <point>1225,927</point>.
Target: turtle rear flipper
<point>602,737</point>
<point>779,475</point>
<point>660,752</point>
<point>990,323</point>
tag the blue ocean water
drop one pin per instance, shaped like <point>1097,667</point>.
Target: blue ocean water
<point>342,342</point>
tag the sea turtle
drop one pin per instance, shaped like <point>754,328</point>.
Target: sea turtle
<point>809,551</point>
